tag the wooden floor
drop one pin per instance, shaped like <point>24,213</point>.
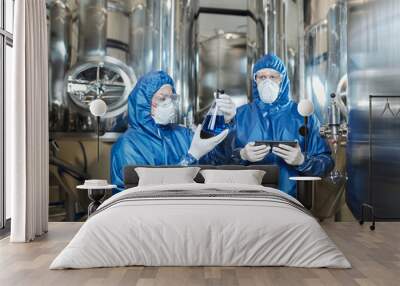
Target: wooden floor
<point>375,257</point>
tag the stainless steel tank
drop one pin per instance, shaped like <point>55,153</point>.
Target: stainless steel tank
<point>325,50</point>
<point>104,45</point>
<point>374,70</point>
<point>222,65</point>
<point>267,32</point>
<point>122,39</point>
<point>88,59</point>
<point>101,70</point>
<point>162,37</point>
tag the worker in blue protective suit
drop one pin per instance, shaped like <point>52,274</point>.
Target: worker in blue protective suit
<point>272,115</point>
<point>153,138</point>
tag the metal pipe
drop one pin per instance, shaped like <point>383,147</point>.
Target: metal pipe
<point>301,68</point>
<point>98,138</point>
<point>59,46</point>
<point>343,82</point>
<point>136,57</point>
<point>266,26</point>
<point>283,34</point>
<point>172,7</point>
<point>92,28</point>
<point>273,25</point>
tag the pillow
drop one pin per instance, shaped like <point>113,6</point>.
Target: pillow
<point>166,176</point>
<point>249,177</point>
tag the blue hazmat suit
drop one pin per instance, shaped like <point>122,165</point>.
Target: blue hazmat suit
<point>280,120</point>
<point>148,143</point>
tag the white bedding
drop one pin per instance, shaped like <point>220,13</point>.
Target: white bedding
<point>183,231</point>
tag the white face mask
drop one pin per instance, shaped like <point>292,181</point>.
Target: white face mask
<point>165,113</point>
<point>268,90</point>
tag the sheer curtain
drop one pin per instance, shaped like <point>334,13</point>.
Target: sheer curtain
<point>27,123</point>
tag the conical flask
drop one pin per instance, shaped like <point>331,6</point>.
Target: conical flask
<point>214,122</point>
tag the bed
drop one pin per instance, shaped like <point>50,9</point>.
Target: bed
<point>198,224</point>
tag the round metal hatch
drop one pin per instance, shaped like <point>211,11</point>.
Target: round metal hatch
<point>101,77</point>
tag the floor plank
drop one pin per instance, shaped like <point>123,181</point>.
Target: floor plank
<point>375,257</point>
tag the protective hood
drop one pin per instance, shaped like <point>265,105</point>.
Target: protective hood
<point>271,61</point>
<point>147,143</point>
<point>139,102</point>
<point>280,120</point>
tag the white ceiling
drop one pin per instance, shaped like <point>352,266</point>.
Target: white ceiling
<point>230,4</point>
<point>210,23</point>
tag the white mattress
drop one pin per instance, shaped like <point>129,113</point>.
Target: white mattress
<point>191,231</point>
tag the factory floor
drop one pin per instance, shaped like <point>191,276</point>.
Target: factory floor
<point>374,255</point>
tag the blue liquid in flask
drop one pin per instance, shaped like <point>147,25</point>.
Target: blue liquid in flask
<point>209,130</point>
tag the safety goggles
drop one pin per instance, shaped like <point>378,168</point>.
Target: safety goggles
<point>165,99</point>
<point>274,76</point>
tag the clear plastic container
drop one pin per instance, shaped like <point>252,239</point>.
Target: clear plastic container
<point>214,122</point>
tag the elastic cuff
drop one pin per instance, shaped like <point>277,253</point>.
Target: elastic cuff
<point>237,158</point>
<point>231,123</point>
<point>301,168</point>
